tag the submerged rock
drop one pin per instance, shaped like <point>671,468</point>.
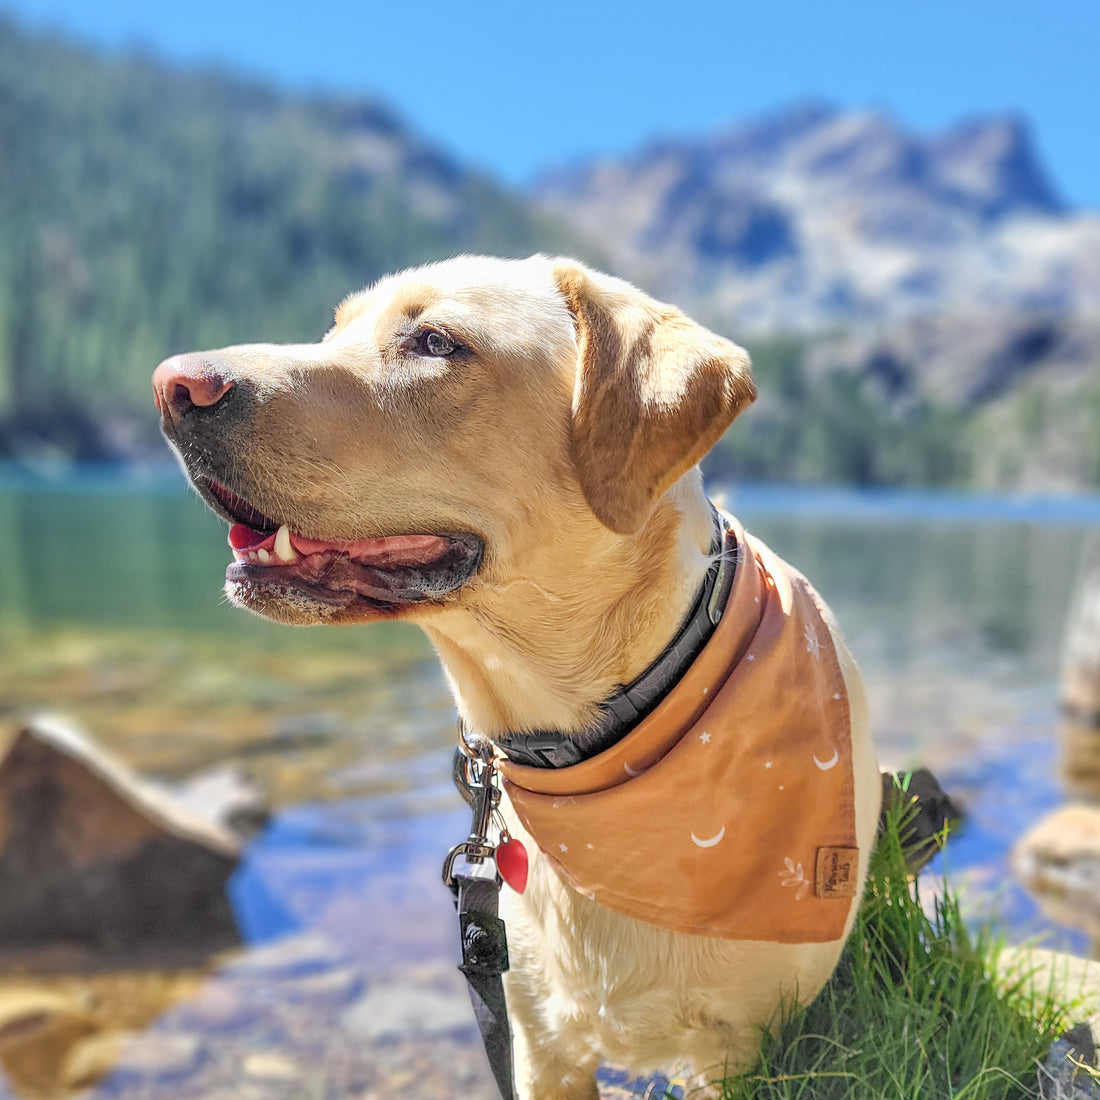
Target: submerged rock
<point>61,1032</point>
<point>38,1030</point>
<point>154,1056</point>
<point>92,856</point>
<point>401,1009</point>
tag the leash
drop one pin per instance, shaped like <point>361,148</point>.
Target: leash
<point>475,869</point>
<point>470,872</point>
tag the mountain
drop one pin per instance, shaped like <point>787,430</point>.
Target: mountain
<point>921,308</point>
<point>146,210</point>
<point>814,216</point>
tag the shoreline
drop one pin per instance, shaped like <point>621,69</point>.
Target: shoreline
<point>755,497</point>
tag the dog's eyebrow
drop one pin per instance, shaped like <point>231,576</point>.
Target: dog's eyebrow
<point>412,300</point>
<point>408,303</point>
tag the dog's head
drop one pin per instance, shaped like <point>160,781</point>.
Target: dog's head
<point>455,416</point>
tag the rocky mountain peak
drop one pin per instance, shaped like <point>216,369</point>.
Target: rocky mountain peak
<point>812,215</point>
<point>994,164</point>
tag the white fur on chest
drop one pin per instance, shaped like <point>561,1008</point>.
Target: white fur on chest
<point>598,984</point>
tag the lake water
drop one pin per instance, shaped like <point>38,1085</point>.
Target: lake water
<point>111,613</point>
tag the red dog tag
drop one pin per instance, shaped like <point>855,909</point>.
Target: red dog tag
<point>511,857</point>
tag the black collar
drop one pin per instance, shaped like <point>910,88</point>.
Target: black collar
<point>632,702</point>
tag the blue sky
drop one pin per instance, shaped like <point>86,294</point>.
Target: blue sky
<point>512,87</point>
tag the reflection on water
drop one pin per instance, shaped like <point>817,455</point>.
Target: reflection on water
<point>110,610</point>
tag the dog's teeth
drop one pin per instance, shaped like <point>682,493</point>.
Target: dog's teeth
<point>265,557</point>
<point>253,556</point>
<point>283,548</point>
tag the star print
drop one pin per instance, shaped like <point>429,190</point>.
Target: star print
<point>564,847</point>
<point>813,646</point>
<point>837,696</point>
<point>750,657</point>
<point>704,737</point>
<point>590,847</point>
<point>767,763</point>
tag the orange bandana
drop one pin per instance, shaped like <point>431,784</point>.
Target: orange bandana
<point>728,811</point>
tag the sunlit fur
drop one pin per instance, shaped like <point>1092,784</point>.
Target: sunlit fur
<point>352,438</point>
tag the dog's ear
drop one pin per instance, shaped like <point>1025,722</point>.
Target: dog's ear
<point>654,391</point>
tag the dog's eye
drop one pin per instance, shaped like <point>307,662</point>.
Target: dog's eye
<point>432,342</point>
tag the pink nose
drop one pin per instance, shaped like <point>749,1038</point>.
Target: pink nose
<point>186,382</point>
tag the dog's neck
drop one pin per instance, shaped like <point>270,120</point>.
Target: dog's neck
<point>543,654</point>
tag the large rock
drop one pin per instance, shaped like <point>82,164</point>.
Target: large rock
<point>930,813</point>
<point>1072,982</point>
<point>1081,682</point>
<point>92,856</point>
<point>1066,1072</point>
<point>1058,861</point>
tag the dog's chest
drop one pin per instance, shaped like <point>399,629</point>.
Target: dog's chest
<point>729,811</point>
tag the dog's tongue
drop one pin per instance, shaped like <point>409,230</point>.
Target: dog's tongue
<point>242,537</point>
<point>391,550</point>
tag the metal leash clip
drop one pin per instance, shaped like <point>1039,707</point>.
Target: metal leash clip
<point>476,782</point>
<point>476,894</point>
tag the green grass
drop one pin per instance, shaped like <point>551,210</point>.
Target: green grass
<point>915,1010</point>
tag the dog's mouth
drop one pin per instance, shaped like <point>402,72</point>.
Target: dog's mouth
<point>272,562</point>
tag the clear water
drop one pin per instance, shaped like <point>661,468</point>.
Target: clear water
<point>110,611</point>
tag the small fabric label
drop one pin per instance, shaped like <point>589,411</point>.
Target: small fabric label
<point>837,872</point>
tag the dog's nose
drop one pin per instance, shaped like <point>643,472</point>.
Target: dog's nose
<point>187,382</point>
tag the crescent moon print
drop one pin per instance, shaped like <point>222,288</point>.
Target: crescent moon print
<point>825,765</point>
<point>631,772</point>
<point>709,843</point>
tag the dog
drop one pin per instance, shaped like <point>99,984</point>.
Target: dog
<point>505,452</point>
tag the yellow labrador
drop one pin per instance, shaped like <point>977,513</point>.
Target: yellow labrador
<point>505,453</point>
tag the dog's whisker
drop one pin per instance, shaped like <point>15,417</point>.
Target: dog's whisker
<point>346,490</point>
<point>502,589</point>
